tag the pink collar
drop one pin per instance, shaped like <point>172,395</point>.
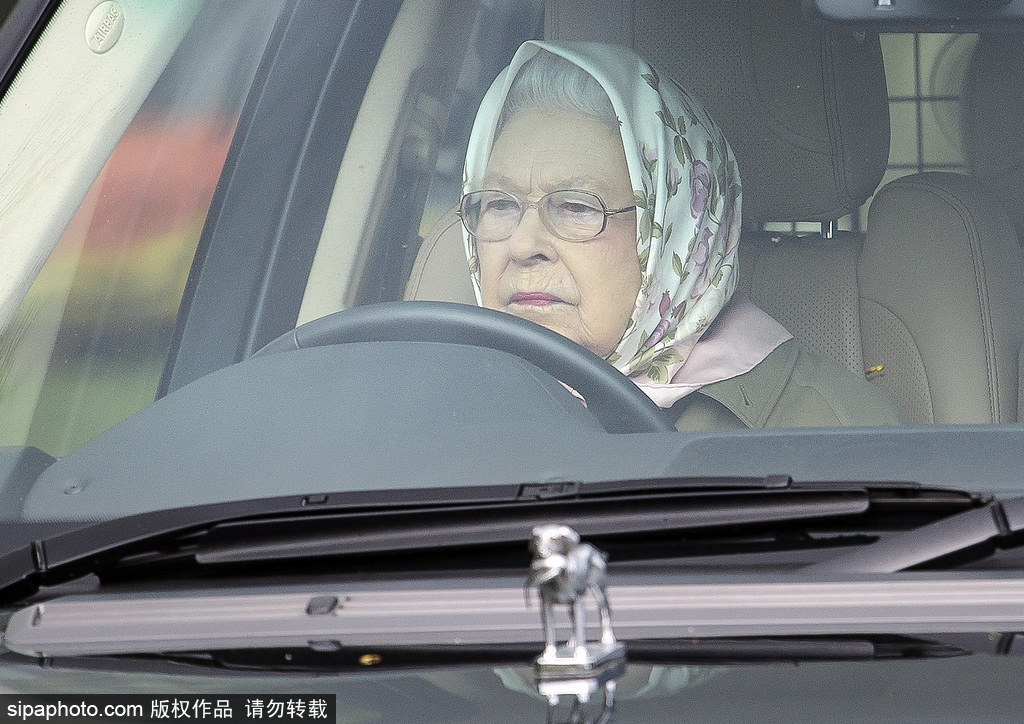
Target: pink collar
<point>740,338</point>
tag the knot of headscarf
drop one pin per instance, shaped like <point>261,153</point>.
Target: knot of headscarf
<point>687,192</point>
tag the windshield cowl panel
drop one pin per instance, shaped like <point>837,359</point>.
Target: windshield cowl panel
<point>491,611</point>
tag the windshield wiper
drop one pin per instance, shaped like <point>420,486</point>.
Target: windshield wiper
<point>434,528</point>
<point>305,530</point>
<point>968,535</point>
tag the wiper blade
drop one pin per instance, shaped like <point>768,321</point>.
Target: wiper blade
<point>376,521</point>
<point>967,535</point>
<point>189,541</point>
<point>482,525</point>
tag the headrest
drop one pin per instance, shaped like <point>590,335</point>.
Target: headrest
<point>993,113</point>
<point>804,108</point>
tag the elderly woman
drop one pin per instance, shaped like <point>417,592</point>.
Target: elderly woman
<point>602,202</point>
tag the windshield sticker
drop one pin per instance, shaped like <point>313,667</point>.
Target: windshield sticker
<point>104,26</point>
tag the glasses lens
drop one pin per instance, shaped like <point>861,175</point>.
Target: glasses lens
<point>491,215</point>
<point>575,215</point>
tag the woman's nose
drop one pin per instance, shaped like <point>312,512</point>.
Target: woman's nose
<point>531,241</point>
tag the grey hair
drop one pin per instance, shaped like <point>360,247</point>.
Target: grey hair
<point>547,82</point>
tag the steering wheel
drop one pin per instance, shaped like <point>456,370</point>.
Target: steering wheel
<point>619,405</point>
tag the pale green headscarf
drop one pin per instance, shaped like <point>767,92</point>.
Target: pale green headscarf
<point>687,190</point>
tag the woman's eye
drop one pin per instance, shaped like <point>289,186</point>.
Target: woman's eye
<point>501,206</point>
<point>575,209</point>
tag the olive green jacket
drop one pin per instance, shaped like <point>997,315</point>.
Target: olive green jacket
<point>791,387</point>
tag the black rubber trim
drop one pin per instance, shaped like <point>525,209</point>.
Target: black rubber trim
<point>19,32</point>
<point>618,404</point>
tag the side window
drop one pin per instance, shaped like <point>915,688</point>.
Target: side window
<point>88,342</point>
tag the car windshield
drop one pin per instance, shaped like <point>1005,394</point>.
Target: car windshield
<point>827,242</point>
<point>318,320</point>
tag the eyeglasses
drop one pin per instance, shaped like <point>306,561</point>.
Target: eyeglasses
<point>492,215</point>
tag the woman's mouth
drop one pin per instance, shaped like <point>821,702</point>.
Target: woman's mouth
<point>535,299</point>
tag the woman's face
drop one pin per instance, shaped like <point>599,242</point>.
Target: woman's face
<point>583,290</point>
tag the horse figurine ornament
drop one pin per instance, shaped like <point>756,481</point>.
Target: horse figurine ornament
<point>563,570</point>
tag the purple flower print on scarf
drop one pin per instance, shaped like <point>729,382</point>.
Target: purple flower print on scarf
<point>700,263</point>
<point>663,325</point>
<point>673,180</point>
<point>700,182</point>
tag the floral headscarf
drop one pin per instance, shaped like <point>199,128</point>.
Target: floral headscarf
<point>687,191</point>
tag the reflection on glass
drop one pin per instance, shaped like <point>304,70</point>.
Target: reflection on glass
<point>579,693</point>
<point>87,346</point>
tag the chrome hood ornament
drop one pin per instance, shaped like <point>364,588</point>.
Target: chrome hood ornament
<point>563,570</point>
<point>581,692</point>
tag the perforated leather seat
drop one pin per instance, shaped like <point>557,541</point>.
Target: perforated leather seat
<point>932,291</point>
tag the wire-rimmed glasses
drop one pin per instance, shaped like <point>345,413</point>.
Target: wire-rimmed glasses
<point>569,214</point>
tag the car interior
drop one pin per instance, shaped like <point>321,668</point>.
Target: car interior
<point>929,294</point>
<point>913,279</point>
<point>169,364</point>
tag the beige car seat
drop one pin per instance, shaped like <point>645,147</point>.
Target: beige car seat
<point>993,133</point>
<point>993,141</point>
<point>931,293</point>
